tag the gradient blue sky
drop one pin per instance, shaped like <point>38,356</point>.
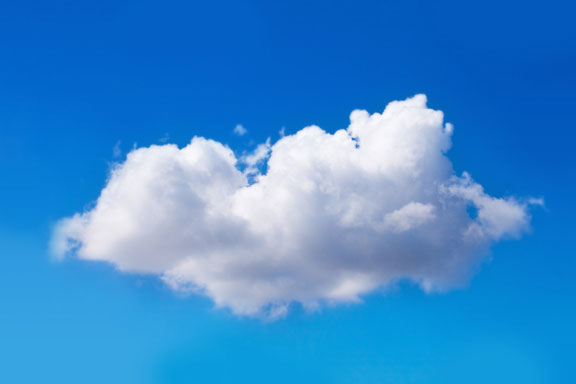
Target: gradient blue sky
<point>76,78</point>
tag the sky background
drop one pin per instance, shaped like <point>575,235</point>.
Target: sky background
<point>78,79</point>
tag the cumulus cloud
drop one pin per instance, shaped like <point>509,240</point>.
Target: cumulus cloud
<point>333,217</point>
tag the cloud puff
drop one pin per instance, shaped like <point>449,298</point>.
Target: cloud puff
<point>255,158</point>
<point>334,217</point>
<point>239,130</point>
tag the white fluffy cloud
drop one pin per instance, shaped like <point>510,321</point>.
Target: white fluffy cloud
<point>335,216</point>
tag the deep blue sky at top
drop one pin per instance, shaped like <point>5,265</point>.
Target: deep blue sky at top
<point>76,78</point>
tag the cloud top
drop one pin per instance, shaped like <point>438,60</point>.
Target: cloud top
<point>334,217</point>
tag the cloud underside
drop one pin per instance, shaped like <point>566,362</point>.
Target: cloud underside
<point>334,217</point>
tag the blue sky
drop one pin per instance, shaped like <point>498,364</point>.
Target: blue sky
<point>78,79</point>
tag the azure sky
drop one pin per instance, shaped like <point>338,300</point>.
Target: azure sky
<point>260,192</point>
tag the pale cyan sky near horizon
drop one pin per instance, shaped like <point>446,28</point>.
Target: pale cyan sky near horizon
<point>82,84</point>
